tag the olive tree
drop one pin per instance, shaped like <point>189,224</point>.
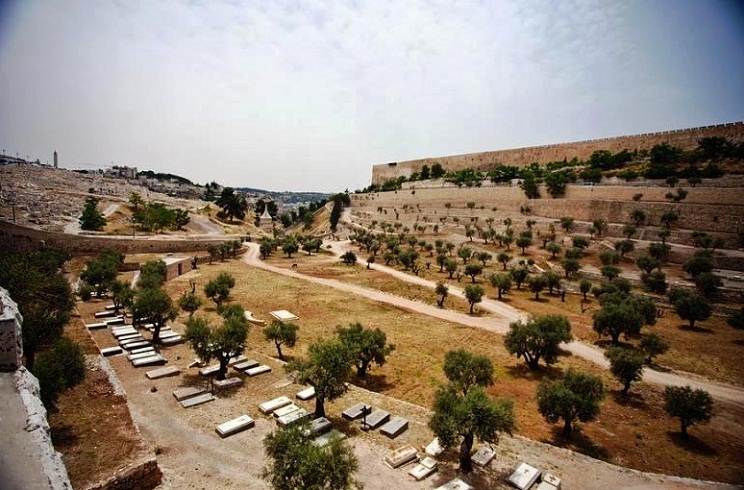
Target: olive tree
<point>538,338</point>
<point>575,397</point>
<point>690,405</point>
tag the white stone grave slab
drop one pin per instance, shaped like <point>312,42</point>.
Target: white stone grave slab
<point>483,455</point>
<point>142,355</point>
<point>243,365</point>
<point>235,425</point>
<point>235,360</point>
<point>162,372</point>
<point>228,382</point>
<point>321,425</point>
<point>209,370</point>
<point>130,336</point>
<point>137,345</point>
<point>395,427</point>
<point>293,417</point>
<point>109,307</point>
<point>355,411</point>
<point>123,331</point>
<point>524,476</point>
<point>284,316</point>
<point>376,419</point>
<point>434,448</point>
<point>424,469</point>
<point>551,479</point>
<point>198,400</point>
<point>275,404</point>
<point>306,394</point>
<point>286,410</point>
<point>95,326</point>
<point>119,320</point>
<point>168,333</point>
<point>153,360</point>
<point>400,456</point>
<point>103,314</point>
<point>455,484</point>
<point>111,351</point>
<point>324,439</point>
<point>543,485</point>
<point>183,393</point>
<point>149,348</point>
<point>177,339</point>
<point>258,370</point>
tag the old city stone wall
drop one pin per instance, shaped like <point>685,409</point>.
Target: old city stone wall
<point>684,138</point>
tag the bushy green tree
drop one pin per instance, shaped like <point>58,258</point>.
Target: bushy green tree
<point>690,405</point>
<point>153,306</point>
<point>91,219</point>
<point>575,397</point>
<point>58,369</point>
<point>626,365</point>
<point>691,306</point>
<point>623,313</point>
<point>366,346</point>
<point>218,289</point>
<point>441,290</point>
<point>538,338</point>
<point>189,302</point>
<point>502,283</point>
<point>152,274</point>
<point>652,345</point>
<point>465,370</point>
<point>221,343</point>
<point>474,294</point>
<point>281,333</point>
<point>233,205</point>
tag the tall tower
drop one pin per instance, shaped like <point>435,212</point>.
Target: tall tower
<point>55,159</point>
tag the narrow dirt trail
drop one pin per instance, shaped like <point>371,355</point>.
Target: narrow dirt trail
<point>499,324</point>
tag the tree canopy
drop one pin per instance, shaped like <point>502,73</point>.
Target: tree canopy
<point>538,338</point>
<point>281,333</point>
<point>575,397</point>
<point>365,346</point>
<point>690,405</point>
<point>466,370</point>
<point>221,343</point>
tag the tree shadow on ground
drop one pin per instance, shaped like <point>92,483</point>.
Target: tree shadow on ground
<point>578,442</point>
<point>697,329</point>
<point>374,382</point>
<point>64,436</point>
<point>540,300</point>
<point>738,341</point>
<point>542,373</point>
<point>691,444</point>
<point>607,343</point>
<point>632,399</point>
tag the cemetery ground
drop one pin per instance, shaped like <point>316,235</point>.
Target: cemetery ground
<point>634,433</point>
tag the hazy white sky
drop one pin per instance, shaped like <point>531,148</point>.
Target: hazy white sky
<point>308,95</point>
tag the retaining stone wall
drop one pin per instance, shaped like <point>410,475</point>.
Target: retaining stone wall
<point>684,138</point>
<point>11,347</point>
<point>143,475</point>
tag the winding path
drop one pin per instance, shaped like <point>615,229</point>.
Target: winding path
<point>504,315</point>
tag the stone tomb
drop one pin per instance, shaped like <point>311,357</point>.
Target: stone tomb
<point>402,455</point>
<point>293,417</point>
<point>104,314</point>
<point>524,476</point>
<point>172,340</point>
<point>424,469</point>
<point>434,448</point>
<point>142,355</point>
<point>355,411</point>
<point>110,351</point>
<point>395,427</point>
<point>198,400</point>
<point>119,320</point>
<point>376,419</point>
<point>255,371</point>
<point>549,482</point>
<point>209,370</point>
<point>94,326</point>
<point>245,364</point>
<point>234,360</point>
<point>130,336</point>
<point>228,382</point>
<point>162,372</point>
<point>183,393</point>
<point>136,345</point>
<point>306,394</point>
<point>149,348</point>
<point>235,425</point>
<point>455,484</point>
<point>275,404</point>
<point>286,410</point>
<point>119,332</point>
<point>321,425</point>
<point>284,316</point>
<point>324,439</point>
<point>153,360</point>
<point>483,455</point>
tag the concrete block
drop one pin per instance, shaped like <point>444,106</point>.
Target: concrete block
<point>424,469</point>
<point>235,425</point>
<point>306,394</point>
<point>162,372</point>
<point>293,417</point>
<point>483,455</point>
<point>149,348</point>
<point>434,448</point>
<point>245,364</point>
<point>355,411</point>
<point>258,370</point>
<point>228,383</point>
<point>237,359</point>
<point>209,370</point>
<point>95,326</point>
<point>400,456</point>
<point>111,351</point>
<point>197,400</point>
<point>136,345</point>
<point>455,484</point>
<point>286,410</point>
<point>375,419</point>
<point>275,404</point>
<point>153,360</point>
<point>395,427</point>
<point>177,339</point>
<point>183,393</point>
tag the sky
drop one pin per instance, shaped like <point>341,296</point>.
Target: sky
<point>308,95</point>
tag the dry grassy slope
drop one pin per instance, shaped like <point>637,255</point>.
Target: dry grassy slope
<point>715,210</point>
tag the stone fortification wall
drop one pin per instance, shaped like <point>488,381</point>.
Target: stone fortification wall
<point>684,138</point>
<point>19,238</point>
<point>11,348</point>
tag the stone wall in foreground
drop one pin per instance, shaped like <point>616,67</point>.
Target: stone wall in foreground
<point>686,139</point>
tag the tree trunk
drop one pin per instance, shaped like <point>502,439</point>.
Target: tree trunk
<point>533,363</point>
<point>692,323</point>
<point>499,293</point>
<point>471,308</point>
<point>156,333</point>
<point>683,429</point>
<point>279,350</point>
<point>567,428</point>
<point>223,368</point>
<point>319,406</point>
<point>466,464</point>
<point>626,388</point>
<point>362,370</point>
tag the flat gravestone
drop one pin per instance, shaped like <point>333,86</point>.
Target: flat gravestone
<point>110,351</point>
<point>275,404</point>
<point>434,448</point>
<point>149,348</point>
<point>402,455</point>
<point>109,307</point>
<point>164,334</point>
<point>321,425</point>
<point>228,383</point>
<point>115,321</point>
<point>95,326</point>
<point>104,314</point>
<point>258,370</point>
<point>551,479</point>
<point>209,370</point>
<point>306,394</point>
<point>183,393</point>
<point>293,417</point>
<point>130,336</point>
<point>246,364</point>
<point>235,425</point>
<point>483,455</point>
<point>132,339</point>
<point>376,419</point>
<point>455,484</point>
<point>355,411</point>
<point>162,372</point>
<point>286,410</point>
<point>137,345</point>
<point>524,476</point>
<point>424,469</point>
<point>395,427</point>
<point>284,316</point>
<point>197,400</point>
<point>141,355</point>
<point>324,439</point>
<point>543,485</point>
<point>150,361</point>
<point>172,340</point>
<point>235,360</point>
<point>123,331</point>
